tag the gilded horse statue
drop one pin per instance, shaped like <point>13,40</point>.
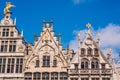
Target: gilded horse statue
<point>8,7</point>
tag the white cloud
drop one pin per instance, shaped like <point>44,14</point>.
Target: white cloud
<point>80,1</point>
<point>110,38</point>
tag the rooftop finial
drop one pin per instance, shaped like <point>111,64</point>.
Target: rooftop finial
<point>98,36</point>
<point>8,7</point>
<point>88,25</point>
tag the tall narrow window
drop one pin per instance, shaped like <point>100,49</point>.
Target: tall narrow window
<point>103,66</point>
<point>54,76</point>
<point>89,52</point>
<point>54,63</point>
<point>95,64</point>
<point>36,76</point>
<point>19,65</point>
<point>96,52</point>
<point>2,65</point>
<point>45,76</point>
<point>37,63</point>
<point>63,76</point>
<point>4,45</point>
<point>46,61</point>
<point>84,64</point>
<point>10,66</point>
<point>12,34</point>
<point>12,46</point>
<point>82,52</point>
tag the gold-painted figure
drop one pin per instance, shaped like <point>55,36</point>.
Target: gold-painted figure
<point>8,7</point>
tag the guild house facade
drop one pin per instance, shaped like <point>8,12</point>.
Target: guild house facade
<point>46,59</point>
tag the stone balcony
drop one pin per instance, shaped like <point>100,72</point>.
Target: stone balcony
<point>90,71</point>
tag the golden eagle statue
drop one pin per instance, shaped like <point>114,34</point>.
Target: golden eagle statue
<point>8,7</point>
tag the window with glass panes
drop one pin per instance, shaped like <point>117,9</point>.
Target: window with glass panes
<point>12,46</point>
<point>10,65</point>
<point>54,76</point>
<point>63,76</point>
<point>45,76</point>
<point>28,76</point>
<point>84,78</point>
<point>95,79</point>
<point>36,76</point>
<point>54,63</point>
<point>37,63</point>
<point>19,65</point>
<point>105,78</point>
<point>2,65</point>
<point>46,61</point>
<point>5,32</point>
<point>4,46</point>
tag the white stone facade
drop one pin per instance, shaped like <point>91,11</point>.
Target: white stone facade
<point>47,60</point>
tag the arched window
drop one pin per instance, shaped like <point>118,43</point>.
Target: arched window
<point>89,52</point>
<point>36,76</point>
<point>28,76</point>
<point>95,64</point>
<point>54,76</point>
<point>84,64</point>
<point>96,52</point>
<point>82,52</point>
<point>45,76</point>
<point>63,76</point>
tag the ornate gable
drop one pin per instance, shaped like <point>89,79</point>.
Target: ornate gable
<point>47,46</point>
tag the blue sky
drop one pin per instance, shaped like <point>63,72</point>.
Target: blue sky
<point>68,16</point>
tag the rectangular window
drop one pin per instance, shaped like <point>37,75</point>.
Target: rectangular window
<point>4,45</point>
<point>103,66</point>
<point>19,65</point>
<point>54,63</point>
<point>37,63</point>
<point>95,79</point>
<point>2,65</point>
<point>84,78</point>
<point>105,78</point>
<point>46,61</point>
<point>11,34</point>
<point>10,66</point>
<point>5,32</point>
<point>12,46</point>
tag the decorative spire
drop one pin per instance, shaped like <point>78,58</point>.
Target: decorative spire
<point>8,7</point>
<point>109,54</point>
<point>15,21</point>
<point>34,36</point>
<point>59,38</point>
<point>88,25</point>
<point>22,33</point>
<point>98,36</point>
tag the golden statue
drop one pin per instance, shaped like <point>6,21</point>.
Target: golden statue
<point>8,7</point>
